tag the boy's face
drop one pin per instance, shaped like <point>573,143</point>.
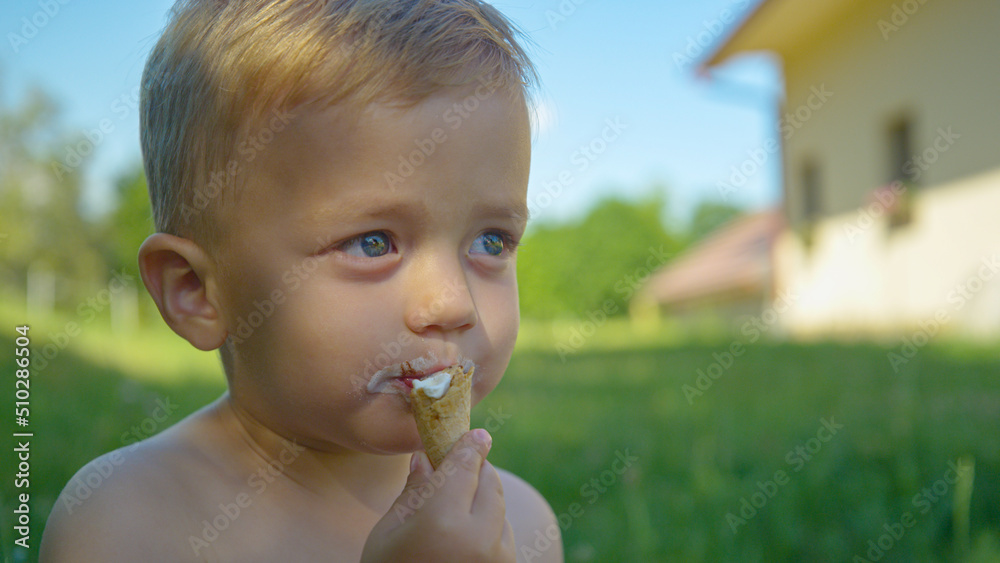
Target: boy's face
<point>361,243</point>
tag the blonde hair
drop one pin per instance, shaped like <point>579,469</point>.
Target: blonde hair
<point>222,66</point>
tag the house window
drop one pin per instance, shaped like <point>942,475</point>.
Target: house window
<point>901,169</point>
<point>900,151</point>
<point>811,197</point>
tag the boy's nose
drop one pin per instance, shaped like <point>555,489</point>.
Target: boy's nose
<point>440,299</point>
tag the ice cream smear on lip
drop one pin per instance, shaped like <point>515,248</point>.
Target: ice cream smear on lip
<point>378,382</point>
<point>386,379</point>
<point>434,386</point>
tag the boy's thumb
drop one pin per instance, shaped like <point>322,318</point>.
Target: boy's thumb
<point>410,500</point>
<point>420,473</point>
<point>406,505</point>
<point>420,468</point>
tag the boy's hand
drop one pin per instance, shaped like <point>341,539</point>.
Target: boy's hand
<point>456,513</point>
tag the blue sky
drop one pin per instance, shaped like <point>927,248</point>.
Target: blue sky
<point>607,68</point>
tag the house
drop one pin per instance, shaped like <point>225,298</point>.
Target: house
<point>890,132</point>
<point>726,275</point>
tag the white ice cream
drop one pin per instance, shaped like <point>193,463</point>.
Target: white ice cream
<point>434,386</point>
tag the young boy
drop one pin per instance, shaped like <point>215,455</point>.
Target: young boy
<point>339,187</point>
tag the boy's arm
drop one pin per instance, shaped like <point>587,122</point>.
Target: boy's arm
<point>536,531</point>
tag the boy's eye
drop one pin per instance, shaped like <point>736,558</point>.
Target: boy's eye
<point>491,243</point>
<point>369,245</point>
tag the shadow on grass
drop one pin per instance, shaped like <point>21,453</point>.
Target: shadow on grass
<point>638,468</point>
<point>701,450</point>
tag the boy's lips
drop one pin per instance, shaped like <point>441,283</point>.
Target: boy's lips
<point>398,378</point>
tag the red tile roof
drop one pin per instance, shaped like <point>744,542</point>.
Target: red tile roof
<point>733,261</point>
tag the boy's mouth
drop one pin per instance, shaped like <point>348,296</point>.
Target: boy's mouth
<point>399,378</point>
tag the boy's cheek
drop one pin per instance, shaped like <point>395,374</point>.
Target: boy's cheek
<point>502,309</point>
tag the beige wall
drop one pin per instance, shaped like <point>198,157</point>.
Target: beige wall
<point>942,69</point>
<point>859,277</point>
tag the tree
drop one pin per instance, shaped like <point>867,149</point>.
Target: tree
<point>131,221</point>
<point>708,216</point>
<point>40,222</point>
<point>570,269</point>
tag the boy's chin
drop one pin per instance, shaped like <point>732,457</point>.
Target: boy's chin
<point>403,441</point>
<point>406,447</point>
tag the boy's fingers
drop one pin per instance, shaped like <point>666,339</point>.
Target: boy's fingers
<point>488,504</point>
<point>420,471</point>
<point>508,537</point>
<point>462,466</point>
<point>420,464</point>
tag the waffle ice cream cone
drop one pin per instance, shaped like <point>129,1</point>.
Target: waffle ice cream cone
<point>441,422</point>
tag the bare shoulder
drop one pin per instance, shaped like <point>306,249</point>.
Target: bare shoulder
<point>126,505</point>
<point>536,530</point>
<point>110,503</point>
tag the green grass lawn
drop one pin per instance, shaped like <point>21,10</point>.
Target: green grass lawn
<point>636,471</point>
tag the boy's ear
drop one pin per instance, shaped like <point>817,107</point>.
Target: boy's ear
<point>177,273</point>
